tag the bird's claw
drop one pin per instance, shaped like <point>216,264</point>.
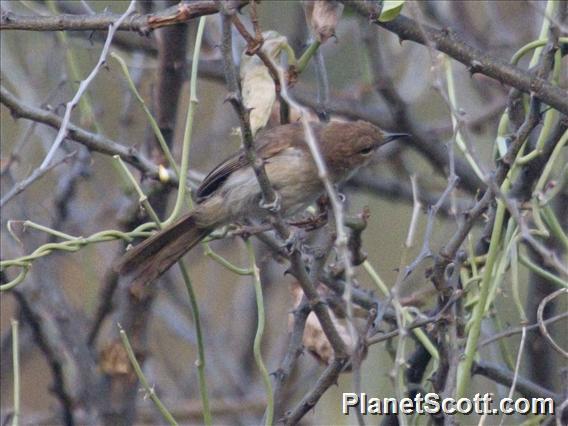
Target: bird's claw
<point>294,242</point>
<point>273,206</point>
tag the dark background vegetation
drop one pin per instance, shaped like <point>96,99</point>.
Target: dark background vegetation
<point>73,369</point>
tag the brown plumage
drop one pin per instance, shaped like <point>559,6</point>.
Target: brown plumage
<point>230,192</point>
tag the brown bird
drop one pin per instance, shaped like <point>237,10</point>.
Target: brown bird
<point>231,192</point>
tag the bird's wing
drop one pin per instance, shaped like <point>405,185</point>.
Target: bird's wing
<point>220,174</point>
<point>265,150</point>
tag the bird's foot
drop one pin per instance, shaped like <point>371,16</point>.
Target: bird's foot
<point>295,241</point>
<point>273,206</point>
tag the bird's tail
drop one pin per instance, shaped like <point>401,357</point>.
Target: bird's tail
<point>151,258</point>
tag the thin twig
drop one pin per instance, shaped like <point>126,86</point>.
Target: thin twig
<point>83,86</point>
<point>517,330</point>
<point>517,368</point>
<point>93,141</point>
<point>542,324</point>
<point>141,23</point>
<point>143,381</point>
<point>475,59</point>
<point>503,376</point>
<point>37,174</point>
<point>16,370</point>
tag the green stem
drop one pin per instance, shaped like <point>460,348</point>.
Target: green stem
<point>515,286</point>
<point>551,7</point>
<point>502,263</point>
<point>88,118</point>
<point>533,267</point>
<point>188,124</point>
<point>307,55</point>
<point>555,226</point>
<point>549,119</point>
<point>532,45</point>
<point>151,119</point>
<point>224,262</point>
<point>142,198</point>
<point>420,335</point>
<point>71,244</point>
<point>149,389</point>
<point>376,278</point>
<point>550,163</point>
<point>453,105</point>
<point>16,366</point>
<point>464,368</point>
<point>200,363</point>
<point>48,230</point>
<point>292,61</point>
<point>269,416</point>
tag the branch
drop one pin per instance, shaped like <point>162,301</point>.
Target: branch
<point>93,141</point>
<point>83,86</point>
<point>269,196</point>
<point>474,59</point>
<point>518,330</point>
<point>505,377</point>
<point>143,24</point>
<point>428,146</point>
<point>34,176</point>
<point>451,248</point>
<point>395,190</point>
<point>295,349</point>
<point>59,386</point>
<point>270,201</point>
<point>328,378</point>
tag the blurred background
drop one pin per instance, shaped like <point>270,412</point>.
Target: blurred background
<point>77,299</point>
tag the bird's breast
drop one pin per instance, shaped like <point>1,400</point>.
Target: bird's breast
<point>291,173</point>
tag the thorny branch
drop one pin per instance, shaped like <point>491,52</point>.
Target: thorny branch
<point>173,15</point>
<point>446,41</point>
<point>270,198</point>
<point>93,141</point>
<point>474,59</point>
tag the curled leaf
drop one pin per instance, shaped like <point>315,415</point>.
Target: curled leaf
<point>391,9</point>
<point>257,84</point>
<point>322,17</point>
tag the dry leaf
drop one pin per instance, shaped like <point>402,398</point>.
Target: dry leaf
<point>258,86</point>
<point>322,17</point>
<point>114,361</point>
<point>314,339</point>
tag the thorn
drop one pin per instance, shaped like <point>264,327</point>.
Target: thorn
<point>474,67</point>
<point>232,97</point>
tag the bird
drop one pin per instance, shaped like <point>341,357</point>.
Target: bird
<point>230,192</point>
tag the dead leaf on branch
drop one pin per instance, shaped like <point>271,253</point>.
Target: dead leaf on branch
<point>322,17</point>
<point>114,361</point>
<point>259,90</point>
<point>314,339</point>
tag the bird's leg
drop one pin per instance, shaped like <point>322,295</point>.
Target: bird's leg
<point>295,240</point>
<point>273,206</point>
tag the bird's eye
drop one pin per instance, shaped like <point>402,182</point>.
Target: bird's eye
<point>366,151</point>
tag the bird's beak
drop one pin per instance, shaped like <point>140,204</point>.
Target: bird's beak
<point>389,137</point>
